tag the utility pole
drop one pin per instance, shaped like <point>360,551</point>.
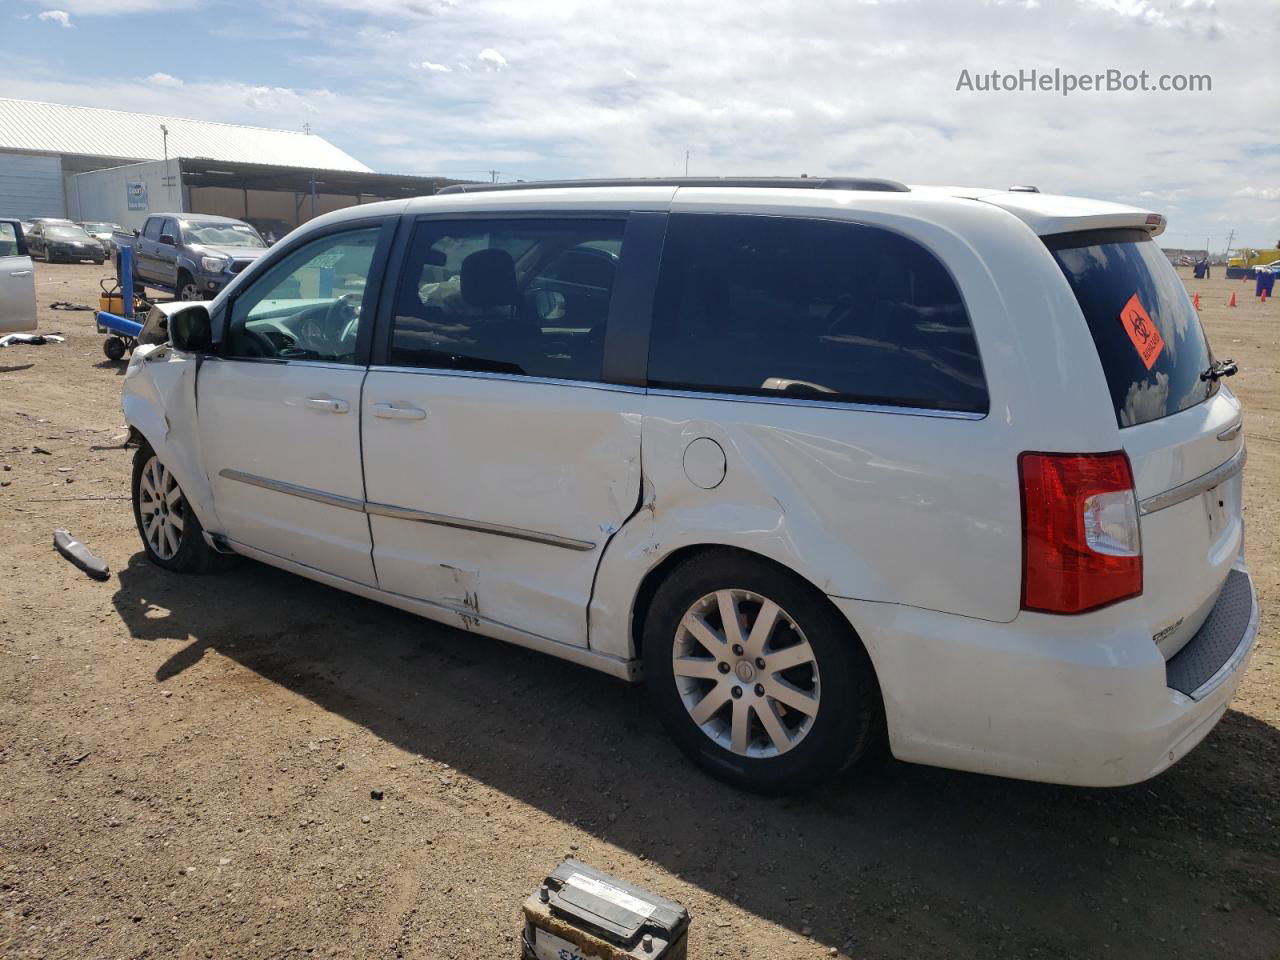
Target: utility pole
<point>168,179</point>
<point>493,176</point>
<point>1230,237</point>
<point>686,163</point>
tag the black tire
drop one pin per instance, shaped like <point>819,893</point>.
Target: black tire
<point>850,716</point>
<point>114,348</point>
<point>187,289</point>
<point>192,555</point>
<point>99,261</point>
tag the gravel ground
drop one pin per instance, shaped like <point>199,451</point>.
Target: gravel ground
<point>186,763</point>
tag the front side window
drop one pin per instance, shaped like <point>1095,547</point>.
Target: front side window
<point>810,309</point>
<point>526,297</point>
<point>151,230</point>
<point>309,306</point>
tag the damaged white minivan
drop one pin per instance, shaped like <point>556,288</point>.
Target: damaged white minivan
<point>822,461</point>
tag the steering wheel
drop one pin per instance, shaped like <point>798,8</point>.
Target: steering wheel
<point>327,334</point>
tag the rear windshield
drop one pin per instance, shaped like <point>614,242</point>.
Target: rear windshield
<point>1144,326</point>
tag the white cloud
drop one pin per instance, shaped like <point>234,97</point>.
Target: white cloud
<point>492,59</point>
<point>1258,193</point>
<point>839,88</point>
<point>164,80</point>
<point>99,8</point>
<point>60,17</point>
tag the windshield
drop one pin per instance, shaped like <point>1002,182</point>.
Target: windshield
<point>222,234</point>
<point>66,233</point>
<point>1147,332</point>
<point>97,227</point>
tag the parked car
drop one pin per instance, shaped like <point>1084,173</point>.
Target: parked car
<point>1272,267</point>
<point>819,460</point>
<point>17,280</point>
<point>102,232</point>
<point>192,256</point>
<point>55,240</point>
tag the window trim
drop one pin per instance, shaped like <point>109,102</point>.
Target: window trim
<point>627,309</point>
<point>710,393</point>
<point>375,285</point>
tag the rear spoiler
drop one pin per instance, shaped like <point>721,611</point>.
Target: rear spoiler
<point>1049,214</point>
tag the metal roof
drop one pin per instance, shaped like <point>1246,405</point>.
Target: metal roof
<point>28,125</point>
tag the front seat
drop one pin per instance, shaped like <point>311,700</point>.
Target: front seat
<point>505,332</point>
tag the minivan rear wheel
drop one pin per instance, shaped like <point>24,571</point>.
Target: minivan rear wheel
<point>757,678</point>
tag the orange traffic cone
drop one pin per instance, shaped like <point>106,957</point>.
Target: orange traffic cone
<point>1195,301</point>
<point>1232,303</point>
<point>1264,294</point>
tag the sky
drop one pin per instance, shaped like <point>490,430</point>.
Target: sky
<point>538,89</point>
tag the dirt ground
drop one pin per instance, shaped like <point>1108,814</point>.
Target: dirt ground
<point>186,763</point>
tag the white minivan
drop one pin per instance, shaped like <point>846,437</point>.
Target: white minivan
<point>822,461</point>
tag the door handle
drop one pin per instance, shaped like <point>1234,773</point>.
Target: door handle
<point>327,404</point>
<point>20,273</point>
<point>392,411</point>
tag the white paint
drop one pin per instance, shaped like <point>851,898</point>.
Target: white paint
<point>704,463</point>
<point>911,523</point>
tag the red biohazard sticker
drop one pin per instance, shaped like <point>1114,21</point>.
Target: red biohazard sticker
<point>1146,338</point>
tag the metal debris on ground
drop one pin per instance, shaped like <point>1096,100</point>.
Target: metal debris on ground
<point>30,339</point>
<point>79,554</point>
<point>67,305</point>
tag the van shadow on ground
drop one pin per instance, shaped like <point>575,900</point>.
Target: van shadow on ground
<point>912,853</point>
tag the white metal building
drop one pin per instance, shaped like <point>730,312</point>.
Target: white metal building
<point>94,163</point>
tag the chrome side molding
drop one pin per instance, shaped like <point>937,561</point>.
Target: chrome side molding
<point>405,513</point>
<point>1193,488</point>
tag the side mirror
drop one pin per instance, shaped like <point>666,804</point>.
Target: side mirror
<point>137,232</point>
<point>167,239</point>
<point>190,329</point>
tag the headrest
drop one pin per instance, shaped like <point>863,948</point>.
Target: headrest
<point>488,279</point>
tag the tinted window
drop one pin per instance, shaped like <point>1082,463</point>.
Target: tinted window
<point>152,229</point>
<point>170,228</point>
<point>310,305</point>
<point>1144,326</point>
<point>507,296</point>
<point>8,240</point>
<point>810,309</point>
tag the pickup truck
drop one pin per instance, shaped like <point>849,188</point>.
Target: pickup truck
<point>190,255</point>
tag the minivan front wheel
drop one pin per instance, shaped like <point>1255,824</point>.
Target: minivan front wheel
<point>171,533</point>
<point>755,676</point>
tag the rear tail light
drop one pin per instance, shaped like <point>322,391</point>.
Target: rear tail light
<point>1081,546</point>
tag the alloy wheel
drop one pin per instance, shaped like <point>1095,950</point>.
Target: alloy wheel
<point>746,673</point>
<point>163,509</point>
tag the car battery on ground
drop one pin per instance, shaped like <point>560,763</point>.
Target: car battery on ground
<point>580,913</point>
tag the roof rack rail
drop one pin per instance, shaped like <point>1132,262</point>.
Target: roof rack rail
<point>807,183</point>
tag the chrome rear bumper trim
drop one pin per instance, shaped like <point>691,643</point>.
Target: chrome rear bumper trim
<point>1193,488</point>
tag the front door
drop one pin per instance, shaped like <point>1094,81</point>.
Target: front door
<point>497,462</point>
<point>279,408</point>
<point>17,281</point>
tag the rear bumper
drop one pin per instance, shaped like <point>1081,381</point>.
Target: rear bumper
<point>1088,701</point>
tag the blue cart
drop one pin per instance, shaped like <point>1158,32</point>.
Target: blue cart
<point>122,331</point>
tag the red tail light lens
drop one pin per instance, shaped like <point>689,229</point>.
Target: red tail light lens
<point>1081,548</point>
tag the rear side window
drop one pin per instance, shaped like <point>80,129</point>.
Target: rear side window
<point>526,296</point>
<point>1148,335</point>
<point>810,309</point>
